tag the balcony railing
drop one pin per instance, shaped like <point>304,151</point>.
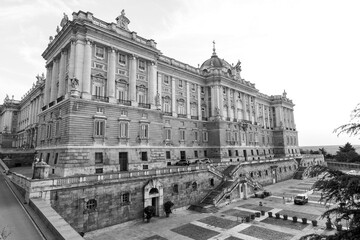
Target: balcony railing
<point>234,120</point>
<point>144,105</point>
<point>59,99</point>
<point>51,104</point>
<point>204,118</point>
<point>182,115</point>
<point>227,119</point>
<point>100,98</point>
<point>124,102</point>
<point>168,113</point>
<point>195,117</point>
<point>44,108</point>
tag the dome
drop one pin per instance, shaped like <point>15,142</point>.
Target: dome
<point>215,62</point>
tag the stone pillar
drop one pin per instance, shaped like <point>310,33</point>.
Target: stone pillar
<point>199,102</point>
<point>159,90</point>
<point>173,97</point>
<point>279,122</point>
<point>61,91</point>
<point>188,112</point>
<point>86,84</point>
<point>79,63</point>
<point>111,76</point>
<point>256,107</point>
<point>213,101</point>
<point>54,79</point>
<point>220,99</point>
<point>47,84</point>
<point>245,112</point>
<point>230,111</point>
<point>263,114</point>
<point>132,80</point>
<point>152,84</point>
<point>268,113</point>
<point>71,70</point>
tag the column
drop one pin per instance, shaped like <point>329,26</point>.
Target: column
<point>220,99</point>
<point>132,80</point>
<point>268,113</point>
<point>188,112</point>
<point>256,107</point>
<point>61,91</point>
<point>278,117</point>
<point>54,79</point>
<point>230,112</point>
<point>235,106</point>
<point>71,70</point>
<point>79,63</point>
<point>293,119</point>
<point>213,101</point>
<point>173,97</point>
<point>263,114</point>
<point>111,76</point>
<point>245,112</point>
<point>152,84</point>
<point>199,102</point>
<point>159,91</point>
<point>86,84</point>
<point>47,85</point>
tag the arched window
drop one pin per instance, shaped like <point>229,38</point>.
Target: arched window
<point>154,191</point>
<point>194,186</point>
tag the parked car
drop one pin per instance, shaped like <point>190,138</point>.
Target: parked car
<point>204,160</point>
<point>182,162</point>
<point>301,199</point>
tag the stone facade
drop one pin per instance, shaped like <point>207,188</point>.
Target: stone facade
<point>113,102</point>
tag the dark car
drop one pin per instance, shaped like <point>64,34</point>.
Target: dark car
<point>301,199</point>
<point>204,160</point>
<point>182,162</point>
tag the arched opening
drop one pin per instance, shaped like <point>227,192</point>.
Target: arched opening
<point>153,191</point>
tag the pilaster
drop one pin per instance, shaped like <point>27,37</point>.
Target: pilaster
<point>188,112</point>
<point>173,96</point>
<point>199,102</point>
<point>61,91</point>
<point>71,69</point>
<point>54,80</point>
<point>86,84</point>
<point>111,76</point>
<point>132,80</point>
<point>79,63</point>
<point>152,84</point>
<point>47,84</point>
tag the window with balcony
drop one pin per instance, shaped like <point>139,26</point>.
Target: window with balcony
<point>144,131</point>
<point>124,129</point>
<point>99,158</point>
<point>122,59</point>
<point>99,128</point>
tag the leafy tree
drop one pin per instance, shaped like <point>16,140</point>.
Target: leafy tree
<point>344,189</point>
<point>347,154</point>
<point>352,128</point>
<point>323,151</point>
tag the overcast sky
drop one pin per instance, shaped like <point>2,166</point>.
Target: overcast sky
<point>309,48</point>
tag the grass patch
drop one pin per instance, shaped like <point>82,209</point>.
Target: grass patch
<point>285,223</point>
<point>266,234</point>
<point>237,213</point>
<point>233,238</point>
<point>195,232</point>
<point>299,214</point>
<point>155,237</point>
<point>219,222</point>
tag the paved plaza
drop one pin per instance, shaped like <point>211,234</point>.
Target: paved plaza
<point>227,223</point>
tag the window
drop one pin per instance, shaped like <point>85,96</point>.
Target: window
<point>99,129</point>
<point>205,153</point>
<point>259,173</point>
<point>98,157</point>
<point>168,155</point>
<point>142,65</point>
<point>100,110</point>
<point>230,153</point>
<point>266,173</point>
<point>56,158</point>
<point>176,188</point>
<point>121,94</point>
<point>194,186</point>
<point>99,170</point>
<point>144,131</point>
<point>168,134</point>
<point>57,128</point>
<point>144,156</point>
<point>202,90</point>
<point>99,52</point>
<point>196,136</point>
<point>47,158</point>
<point>166,79</point>
<point>122,59</point>
<point>48,131</point>
<point>205,136</point>
<point>180,83</point>
<point>99,66</point>
<point>167,107</point>
<point>91,204</point>
<point>212,182</point>
<point>193,87</point>
<point>145,167</point>
<point>182,135</point>
<point>203,113</point>
<point>196,154</point>
<point>236,152</point>
<point>124,129</point>
<point>181,107</point>
<point>125,198</point>
<point>141,97</point>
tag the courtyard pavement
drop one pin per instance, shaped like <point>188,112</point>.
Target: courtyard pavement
<point>226,223</point>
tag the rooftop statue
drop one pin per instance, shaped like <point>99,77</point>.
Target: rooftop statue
<point>123,21</point>
<point>64,20</point>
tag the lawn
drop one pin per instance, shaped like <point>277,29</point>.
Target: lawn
<point>285,223</point>
<point>266,234</point>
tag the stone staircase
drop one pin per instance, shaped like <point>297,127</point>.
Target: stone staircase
<point>300,173</point>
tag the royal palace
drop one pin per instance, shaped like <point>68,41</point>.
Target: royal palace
<point>112,116</point>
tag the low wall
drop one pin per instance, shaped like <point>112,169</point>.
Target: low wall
<point>343,166</point>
